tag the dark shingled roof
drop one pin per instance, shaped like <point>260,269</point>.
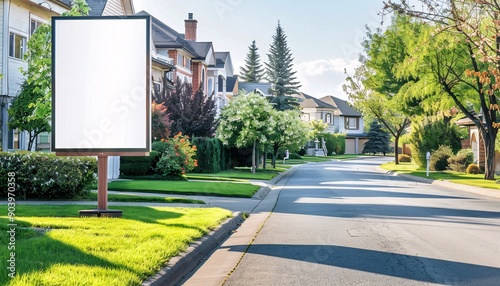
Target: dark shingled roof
<point>166,37</point>
<point>307,101</point>
<point>96,6</point>
<point>68,2</point>
<point>252,86</point>
<point>220,59</point>
<point>201,49</point>
<point>231,82</point>
<point>342,105</point>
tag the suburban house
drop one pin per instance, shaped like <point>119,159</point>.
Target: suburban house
<point>188,60</point>
<point>337,113</point>
<point>340,117</point>
<point>19,20</point>
<point>476,143</point>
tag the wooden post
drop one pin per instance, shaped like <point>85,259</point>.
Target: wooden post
<point>102,176</point>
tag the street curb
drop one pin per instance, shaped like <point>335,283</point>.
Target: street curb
<point>264,191</point>
<point>446,184</point>
<point>182,264</point>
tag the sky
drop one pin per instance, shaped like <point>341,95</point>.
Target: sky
<point>324,36</point>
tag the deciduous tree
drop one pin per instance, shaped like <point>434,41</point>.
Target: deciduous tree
<point>246,122</point>
<point>473,27</point>
<point>191,114</point>
<point>21,110</point>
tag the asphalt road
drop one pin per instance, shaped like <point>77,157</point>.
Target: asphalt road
<point>343,223</point>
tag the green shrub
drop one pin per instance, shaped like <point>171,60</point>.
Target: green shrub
<point>473,169</point>
<point>334,143</point>
<point>428,136</point>
<point>139,166</point>
<point>210,155</point>
<point>439,159</point>
<point>461,160</point>
<point>404,158</point>
<point>46,176</point>
<point>177,156</point>
<point>295,156</point>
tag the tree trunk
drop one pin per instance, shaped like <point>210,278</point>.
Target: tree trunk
<point>396,151</point>
<point>264,162</point>
<point>489,154</point>
<point>253,156</point>
<point>275,153</point>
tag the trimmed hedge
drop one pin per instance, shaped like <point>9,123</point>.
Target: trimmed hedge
<point>334,143</point>
<point>439,159</point>
<point>46,176</point>
<point>211,155</point>
<point>139,166</point>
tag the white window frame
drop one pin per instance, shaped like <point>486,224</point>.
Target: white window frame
<point>13,48</point>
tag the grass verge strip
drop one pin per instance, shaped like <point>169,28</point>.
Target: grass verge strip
<point>222,189</point>
<point>55,247</point>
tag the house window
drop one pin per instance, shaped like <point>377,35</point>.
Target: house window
<point>351,123</point>
<point>13,142</point>
<point>328,118</point>
<point>34,25</point>
<point>188,63</point>
<point>180,60</point>
<point>17,46</point>
<point>44,138</point>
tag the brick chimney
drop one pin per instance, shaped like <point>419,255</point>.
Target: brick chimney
<point>190,28</point>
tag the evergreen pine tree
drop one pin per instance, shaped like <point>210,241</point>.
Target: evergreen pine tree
<point>253,70</point>
<point>280,72</point>
<point>378,140</point>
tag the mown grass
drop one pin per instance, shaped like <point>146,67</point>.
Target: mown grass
<point>223,189</point>
<point>413,169</point>
<point>241,174</point>
<point>147,199</point>
<point>55,247</point>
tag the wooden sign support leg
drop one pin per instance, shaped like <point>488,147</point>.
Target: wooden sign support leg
<point>102,176</point>
<point>102,192</point>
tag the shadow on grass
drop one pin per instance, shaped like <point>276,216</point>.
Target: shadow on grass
<point>36,252</point>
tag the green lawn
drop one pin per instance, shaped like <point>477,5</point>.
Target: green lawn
<point>459,178</point>
<point>148,199</point>
<point>241,174</point>
<point>55,247</point>
<point>223,189</point>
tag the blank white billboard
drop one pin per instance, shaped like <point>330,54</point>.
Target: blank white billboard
<point>101,84</point>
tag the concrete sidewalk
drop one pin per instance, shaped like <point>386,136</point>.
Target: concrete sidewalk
<point>446,184</point>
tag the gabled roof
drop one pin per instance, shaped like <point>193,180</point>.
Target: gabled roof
<point>262,88</point>
<point>202,49</point>
<point>96,7</point>
<point>220,59</point>
<point>166,37</point>
<point>231,82</point>
<point>307,101</point>
<point>343,106</point>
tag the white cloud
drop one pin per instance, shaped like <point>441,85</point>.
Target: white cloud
<point>319,67</point>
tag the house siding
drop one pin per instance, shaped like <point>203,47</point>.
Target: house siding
<point>113,8</point>
<point>2,41</point>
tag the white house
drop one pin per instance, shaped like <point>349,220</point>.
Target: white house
<point>340,117</point>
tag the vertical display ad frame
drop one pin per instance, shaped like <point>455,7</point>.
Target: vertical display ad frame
<point>101,94</point>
